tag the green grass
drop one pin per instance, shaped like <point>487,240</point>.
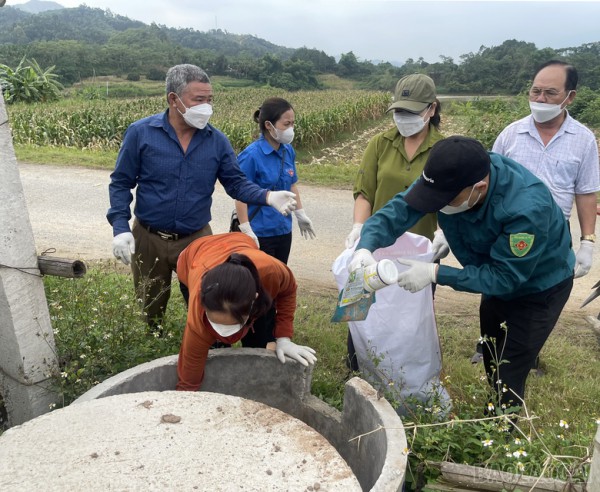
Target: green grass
<point>224,82</point>
<point>332,81</point>
<point>339,176</point>
<point>115,87</point>
<point>66,156</point>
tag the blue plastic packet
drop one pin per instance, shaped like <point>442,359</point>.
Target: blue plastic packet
<point>357,311</point>
<point>354,301</point>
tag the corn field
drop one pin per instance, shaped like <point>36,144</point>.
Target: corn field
<point>321,116</point>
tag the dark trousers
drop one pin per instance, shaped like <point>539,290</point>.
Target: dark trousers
<point>262,332</point>
<point>516,331</point>
<point>277,246</point>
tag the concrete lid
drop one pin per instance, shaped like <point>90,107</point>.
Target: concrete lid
<point>170,440</point>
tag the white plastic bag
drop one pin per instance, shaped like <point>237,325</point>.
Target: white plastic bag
<point>397,345</point>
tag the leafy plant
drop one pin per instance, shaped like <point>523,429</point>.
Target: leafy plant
<point>28,83</point>
<point>484,119</point>
<point>586,106</point>
<point>546,442</point>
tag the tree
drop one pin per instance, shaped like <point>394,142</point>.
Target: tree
<point>298,75</point>
<point>321,62</point>
<point>348,65</point>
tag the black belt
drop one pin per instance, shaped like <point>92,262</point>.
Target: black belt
<point>167,236</point>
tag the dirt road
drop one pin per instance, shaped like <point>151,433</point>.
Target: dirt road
<point>67,208</point>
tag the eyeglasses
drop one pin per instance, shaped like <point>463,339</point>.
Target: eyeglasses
<point>548,93</point>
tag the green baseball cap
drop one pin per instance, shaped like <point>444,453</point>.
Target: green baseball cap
<point>414,93</point>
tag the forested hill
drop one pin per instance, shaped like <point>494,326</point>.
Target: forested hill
<point>82,42</point>
<point>96,26</point>
<point>83,24</point>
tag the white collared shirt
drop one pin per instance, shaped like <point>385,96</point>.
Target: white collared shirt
<point>568,165</point>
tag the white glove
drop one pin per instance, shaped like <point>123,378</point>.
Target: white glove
<point>361,258</point>
<point>303,354</point>
<point>439,246</point>
<point>583,258</point>
<point>282,201</point>
<point>246,228</point>
<point>305,224</point>
<point>354,235</point>
<point>124,247</point>
<point>418,276</point>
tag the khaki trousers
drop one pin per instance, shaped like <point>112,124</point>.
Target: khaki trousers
<point>152,265</point>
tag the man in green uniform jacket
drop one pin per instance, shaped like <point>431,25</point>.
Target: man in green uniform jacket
<point>509,235</point>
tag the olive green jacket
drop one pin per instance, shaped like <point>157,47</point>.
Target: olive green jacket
<point>386,170</point>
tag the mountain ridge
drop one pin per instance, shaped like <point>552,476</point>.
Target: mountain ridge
<point>37,6</point>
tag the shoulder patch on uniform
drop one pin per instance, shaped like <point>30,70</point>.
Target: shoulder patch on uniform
<point>520,244</point>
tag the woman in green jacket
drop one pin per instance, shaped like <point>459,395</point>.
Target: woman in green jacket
<point>395,158</point>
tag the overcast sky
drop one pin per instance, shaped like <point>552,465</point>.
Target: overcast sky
<point>388,30</point>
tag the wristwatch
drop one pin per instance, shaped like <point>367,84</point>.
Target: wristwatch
<point>588,237</point>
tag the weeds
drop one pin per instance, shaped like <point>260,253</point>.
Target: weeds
<point>99,329</point>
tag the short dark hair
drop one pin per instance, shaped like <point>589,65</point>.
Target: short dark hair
<point>271,110</point>
<point>572,76</point>
<point>436,120</point>
<point>232,286</point>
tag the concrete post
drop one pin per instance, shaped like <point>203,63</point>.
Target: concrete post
<point>594,478</point>
<point>27,352</point>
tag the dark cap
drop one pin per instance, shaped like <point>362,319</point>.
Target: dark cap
<point>453,164</point>
<point>414,93</point>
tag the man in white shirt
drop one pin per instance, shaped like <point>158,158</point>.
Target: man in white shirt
<point>560,151</point>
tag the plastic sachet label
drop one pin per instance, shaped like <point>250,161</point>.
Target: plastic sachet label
<point>357,311</point>
<point>354,301</point>
<point>354,290</point>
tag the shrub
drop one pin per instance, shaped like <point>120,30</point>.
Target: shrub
<point>155,73</point>
<point>484,119</point>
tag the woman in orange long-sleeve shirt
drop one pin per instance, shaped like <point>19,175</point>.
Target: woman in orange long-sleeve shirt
<point>231,284</point>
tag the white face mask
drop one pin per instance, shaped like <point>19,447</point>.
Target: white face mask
<point>282,136</point>
<point>543,112</point>
<point>463,207</point>
<point>196,116</point>
<point>409,124</point>
<point>225,330</point>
